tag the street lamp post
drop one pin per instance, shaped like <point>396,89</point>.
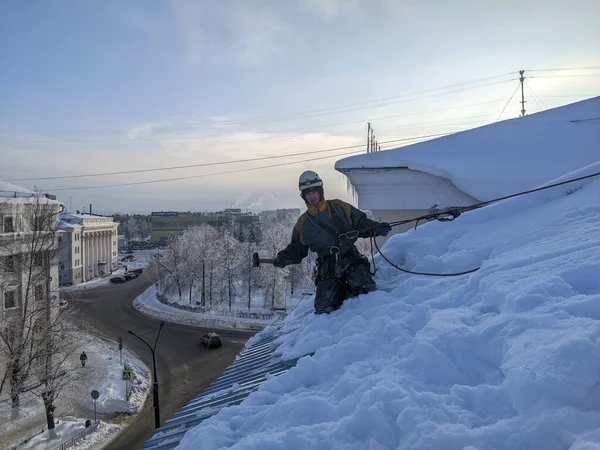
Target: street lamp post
<point>155,377</point>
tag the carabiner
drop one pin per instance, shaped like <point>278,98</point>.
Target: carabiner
<point>350,234</point>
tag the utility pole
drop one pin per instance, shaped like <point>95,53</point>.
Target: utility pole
<point>372,145</point>
<point>522,80</point>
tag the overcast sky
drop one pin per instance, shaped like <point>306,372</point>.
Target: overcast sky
<point>89,87</point>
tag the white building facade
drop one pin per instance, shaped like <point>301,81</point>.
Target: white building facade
<point>28,251</point>
<point>90,250</point>
<point>71,264</point>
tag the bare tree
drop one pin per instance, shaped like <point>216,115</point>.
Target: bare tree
<point>56,347</point>
<point>33,333</point>
<point>29,249</point>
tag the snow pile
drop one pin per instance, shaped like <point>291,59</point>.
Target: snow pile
<point>148,304</point>
<point>103,373</point>
<point>505,157</point>
<point>507,357</point>
<point>67,428</point>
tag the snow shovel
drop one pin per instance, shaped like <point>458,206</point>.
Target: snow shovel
<point>256,261</point>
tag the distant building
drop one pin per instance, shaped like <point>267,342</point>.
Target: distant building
<point>165,225</point>
<point>280,214</point>
<point>90,247</point>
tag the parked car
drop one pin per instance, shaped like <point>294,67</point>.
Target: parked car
<point>138,271</point>
<point>130,275</point>
<point>128,258</point>
<point>118,279</point>
<point>211,340</point>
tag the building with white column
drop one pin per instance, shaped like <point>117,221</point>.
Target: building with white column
<point>96,238</point>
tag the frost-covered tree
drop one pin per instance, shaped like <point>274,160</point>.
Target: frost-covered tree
<point>275,237</point>
<point>172,270</point>
<point>214,266</point>
<point>247,273</point>
<point>33,343</point>
<point>227,265</point>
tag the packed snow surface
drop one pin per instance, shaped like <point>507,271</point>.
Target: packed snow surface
<point>505,358</point>
<point>505,157</point>
<point>102,373</point>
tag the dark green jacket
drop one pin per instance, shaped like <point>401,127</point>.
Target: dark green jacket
<point>309,233</point>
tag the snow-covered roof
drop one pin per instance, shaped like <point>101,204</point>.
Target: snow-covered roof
<point>12,190</point>
<point>68,226</point>
<point>504,157</point>
<point>505,357</point>
<point>253,367</point>
<point>78,218</point>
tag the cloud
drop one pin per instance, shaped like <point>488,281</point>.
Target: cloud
<point>235,31</point>
<point>142,130</point>
<point>268,188</point>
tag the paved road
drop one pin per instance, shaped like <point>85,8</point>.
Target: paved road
<point>184,367</point>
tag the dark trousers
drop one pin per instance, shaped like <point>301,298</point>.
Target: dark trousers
<point>332,291</point>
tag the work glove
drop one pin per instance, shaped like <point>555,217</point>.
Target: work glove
<point>383,229</point>
<point>279,261</point>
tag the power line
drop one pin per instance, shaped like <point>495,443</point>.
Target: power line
<point>564,69</point>
<point>535,97</point>
<point>226,172</point>
<point>338,110</point>
<point>437,122</point>
<point>189,166</point>
<point>509,100</point>
<point>408,125</point>
<point>208,174</point>
<point>568,76</point>
<point>569,95</point>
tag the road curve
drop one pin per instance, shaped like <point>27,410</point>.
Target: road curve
<point>184,367</point>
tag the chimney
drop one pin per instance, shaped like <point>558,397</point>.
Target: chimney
<point>90,208</point>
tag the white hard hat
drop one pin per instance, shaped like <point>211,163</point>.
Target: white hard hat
<point>309,179</point>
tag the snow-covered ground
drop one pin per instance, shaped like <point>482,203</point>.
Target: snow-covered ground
<point>103,374</point>
<point>66,429</point>
<point>142,259</point>
<point>507,357</point>
<point>148,304</point>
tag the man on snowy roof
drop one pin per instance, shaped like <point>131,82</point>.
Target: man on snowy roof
<point>330,228</point>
